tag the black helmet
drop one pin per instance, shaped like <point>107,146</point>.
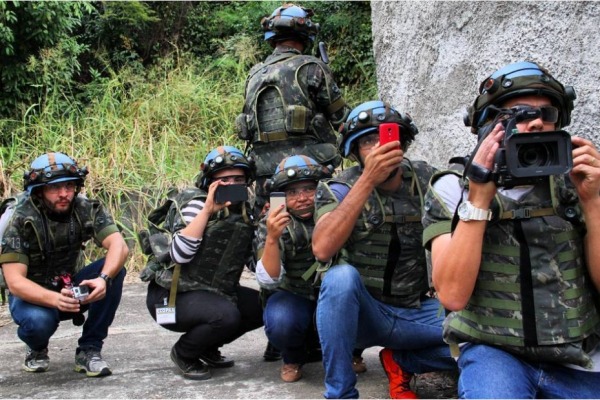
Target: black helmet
<point>519,79</point>
<point>290,22</point>
<point>366,118</point>
<point>220,158</point>
<point>52,168</point>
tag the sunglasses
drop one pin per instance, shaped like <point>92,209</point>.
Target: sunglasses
<point>526,113</point>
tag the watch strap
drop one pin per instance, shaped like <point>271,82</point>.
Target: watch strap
<point>106,278</point>
<point>478,173</point>
<point>479,214</point>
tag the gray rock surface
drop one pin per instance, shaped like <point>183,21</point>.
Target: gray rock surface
<point>432,55</point>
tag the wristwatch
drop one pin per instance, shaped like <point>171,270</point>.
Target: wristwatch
<point>106,278</point>
<point>468,212</point>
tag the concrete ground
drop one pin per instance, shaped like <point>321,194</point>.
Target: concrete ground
<point>138,351</point>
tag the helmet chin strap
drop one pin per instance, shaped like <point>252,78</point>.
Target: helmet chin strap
<point>298,213</point>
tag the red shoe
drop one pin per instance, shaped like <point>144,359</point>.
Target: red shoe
<point>399,380</point>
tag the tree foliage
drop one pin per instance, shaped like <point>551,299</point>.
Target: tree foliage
<point>61,51</point>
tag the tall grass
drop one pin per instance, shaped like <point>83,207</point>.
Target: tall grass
<point>141,134</point>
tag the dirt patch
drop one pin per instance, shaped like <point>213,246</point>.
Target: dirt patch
<point>436,385</point>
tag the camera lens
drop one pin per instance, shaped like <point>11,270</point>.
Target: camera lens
<point>536,155</point>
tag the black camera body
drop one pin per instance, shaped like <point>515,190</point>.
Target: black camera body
<point>527,158</point>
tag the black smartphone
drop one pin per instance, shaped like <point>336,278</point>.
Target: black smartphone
<point>232,193</point>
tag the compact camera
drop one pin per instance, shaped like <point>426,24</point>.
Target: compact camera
<point>527,158</point>
<point>80,292</point>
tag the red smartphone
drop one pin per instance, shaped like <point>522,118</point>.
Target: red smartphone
<point>388,132</point>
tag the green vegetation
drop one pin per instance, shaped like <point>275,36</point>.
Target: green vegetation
<point>141,91</point>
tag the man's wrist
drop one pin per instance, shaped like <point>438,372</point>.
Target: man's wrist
<point>106,278</point>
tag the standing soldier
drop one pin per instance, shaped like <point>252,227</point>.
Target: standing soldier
<point>292,102</point>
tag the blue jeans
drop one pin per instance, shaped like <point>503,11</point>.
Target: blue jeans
<point>488,372</point>
<point>37,323</point>
<point>349,317</point>
<point>288,322</point>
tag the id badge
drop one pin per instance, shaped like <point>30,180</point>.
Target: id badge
<point>164,314</point>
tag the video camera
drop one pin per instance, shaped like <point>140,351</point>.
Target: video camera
<point>527,158</point>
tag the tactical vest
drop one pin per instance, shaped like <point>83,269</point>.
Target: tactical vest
<point>385,245</point>
<point>279,117</point>
<point>296,244</point>
<point>533,296</point>
<point>55,247</point>
<point>223,252</point>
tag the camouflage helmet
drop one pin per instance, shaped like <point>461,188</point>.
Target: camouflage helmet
<point>290,22</point>
<point>296,169</point>
<point>519,79</point>
<point>52,168</point>
<point>221,158</point>
<point>366,118</point>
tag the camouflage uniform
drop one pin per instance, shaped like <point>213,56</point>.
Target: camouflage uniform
<point>50,247</point>
<point>385,244</point>
<point>292,106</point>
<point>296,254</point>
<point>533,296</point>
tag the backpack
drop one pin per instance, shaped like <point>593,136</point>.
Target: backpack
<point>155,239</point>
<point>7,209</point>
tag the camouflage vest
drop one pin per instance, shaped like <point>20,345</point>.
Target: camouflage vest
<point>385,245</point>
<point>533,296</point>
<point>296,244</point>
<point>280,119</point>
<point>220,260</point>
<point>55,247</point>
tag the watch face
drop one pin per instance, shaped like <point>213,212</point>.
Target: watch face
<point>463,210</point>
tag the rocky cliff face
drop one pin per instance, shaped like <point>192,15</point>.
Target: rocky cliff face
<point>432,56</point>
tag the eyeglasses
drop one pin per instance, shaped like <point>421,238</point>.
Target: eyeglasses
<point>236,179</point>
<point>546,113</point>
<point>54,188</point>
<point>368,141</point>
<point>307,191</point>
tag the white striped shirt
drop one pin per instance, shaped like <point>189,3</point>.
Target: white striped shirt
<point>184,248</point>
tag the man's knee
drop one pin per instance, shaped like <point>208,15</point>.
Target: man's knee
<point>38,322</point>
<point>341,278</point>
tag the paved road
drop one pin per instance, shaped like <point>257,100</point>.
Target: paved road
<point>138,352</point>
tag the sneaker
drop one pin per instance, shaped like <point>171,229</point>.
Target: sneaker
<point>190,369</point>
<point>271,353</point>
<point>358,365</point>
<point>91,362</point>
<point>291,372</point>
<point>36,361</point>
<point>399,380</point>
<point>214,359</point>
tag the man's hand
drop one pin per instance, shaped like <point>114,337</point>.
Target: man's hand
<point>481,194</point>
<point>97,289</point>
<point>585,174</point>
<point>382,161</point>
<point>65,301</point>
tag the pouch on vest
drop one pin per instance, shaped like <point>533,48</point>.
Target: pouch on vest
<point>7,209</point>
<point>241,127</point>
<point>297,119</point>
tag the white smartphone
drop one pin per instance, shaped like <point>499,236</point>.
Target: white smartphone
<point>276,200</point>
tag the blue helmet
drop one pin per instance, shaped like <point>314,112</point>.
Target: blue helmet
<point>295,169</point>
<point>366,118</point>
<point>290,22</point>
<point>523,78</point>
<point>53,168</point>
<point>221,158</point>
